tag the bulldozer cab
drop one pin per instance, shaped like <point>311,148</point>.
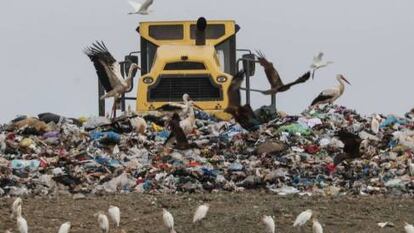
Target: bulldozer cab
<point>220,34</point>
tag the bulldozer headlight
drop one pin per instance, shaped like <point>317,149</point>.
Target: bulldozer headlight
<point>148,80</point>
<point>221,79</point>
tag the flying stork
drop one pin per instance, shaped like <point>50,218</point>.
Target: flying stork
<point>141,8</point>
<point>318,63</point>
<point>332,94</point>
<point>274,77</point>
<point>109,72</point>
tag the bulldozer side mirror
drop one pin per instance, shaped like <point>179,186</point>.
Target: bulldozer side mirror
<point>249,64</point>
<point>126,64</point>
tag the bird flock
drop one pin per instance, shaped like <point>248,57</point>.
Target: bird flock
<point>114,213</point>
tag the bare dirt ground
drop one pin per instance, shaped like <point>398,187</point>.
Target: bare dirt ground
<point>229,212</point>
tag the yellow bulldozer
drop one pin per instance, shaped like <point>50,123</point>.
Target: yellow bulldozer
<point>194,57</point>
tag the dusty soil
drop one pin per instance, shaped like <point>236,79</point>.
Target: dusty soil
<point>229,212</point>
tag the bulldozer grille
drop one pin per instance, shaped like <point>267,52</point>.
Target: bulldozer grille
<point>171,88</point>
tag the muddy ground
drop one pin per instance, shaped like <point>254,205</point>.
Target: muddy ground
<point>229,212</point>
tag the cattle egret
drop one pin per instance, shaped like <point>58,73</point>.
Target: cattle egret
<point>200,213</point>
<point>274,77</point>
<point>141,8</point>
<point>317,63</point>
<point>332,94</point>
<point>115,215</point>
<point>375,123</point>
<point>109,72</point>
<point>64,228</point>
<point>302,218</point>
<point>103,222</point>
<point>316,226</point>
<point>188,123</point>
<point>269,224</point>
<point>168,220</point>
<point>411,167</point>
<point>21,222</point>
<point>16,203</point>
<point>408,228</point>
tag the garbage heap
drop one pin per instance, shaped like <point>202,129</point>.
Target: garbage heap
<point>53,154</point>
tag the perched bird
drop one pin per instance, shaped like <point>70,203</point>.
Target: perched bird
<point>269,224</point>
<point>115,215</point>
<point>352,144</point>
<point>201,213</point>
<point>243,115</point>
<point>109,72</point>
<point>65,228</point>
<point>168,220</point>
<point>188,123</point>
<point>316,226</point>
<point>21,222</point>
<point>177,133</point>
<point>18,202</point>
<point>317,63</point>
<point>139,124</point>
<point>332,94</point>
<point>141,8</point>
<point>375,123</point>
<point>303,218</point>
<point>103,222</point>
<point>274,77</point>
<point>408,228</point>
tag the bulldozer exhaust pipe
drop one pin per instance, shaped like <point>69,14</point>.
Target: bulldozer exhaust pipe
<point>201,31</point>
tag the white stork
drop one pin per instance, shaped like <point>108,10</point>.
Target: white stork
<point>318,63</point>
<point>141,8</point>
<point>332,94</point>
<point>109,72</point>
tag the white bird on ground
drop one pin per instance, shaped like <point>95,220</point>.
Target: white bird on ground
<point>65,228</point>
<point>103,222</point>
<point>269,224</point>
<point>16,203</point>
<point>332,94</point>
<point>109,72</point>
<point>188,123</point>
<point>375,123</point>
<point>408,228</point>
<point>115,215</point>
<point>410,167</point>
<point>168,220</point>
<point>141,8</point>
<point>201,213</point>
<point>316,226</point>
<point>303,218</point>
<point>21,222</point>
<point>317,63</point>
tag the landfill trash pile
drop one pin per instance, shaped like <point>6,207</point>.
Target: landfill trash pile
<point>52,154</point>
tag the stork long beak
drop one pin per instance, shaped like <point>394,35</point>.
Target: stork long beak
<point>343,78</point>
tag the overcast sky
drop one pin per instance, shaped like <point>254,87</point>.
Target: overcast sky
<point>371,41</point>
